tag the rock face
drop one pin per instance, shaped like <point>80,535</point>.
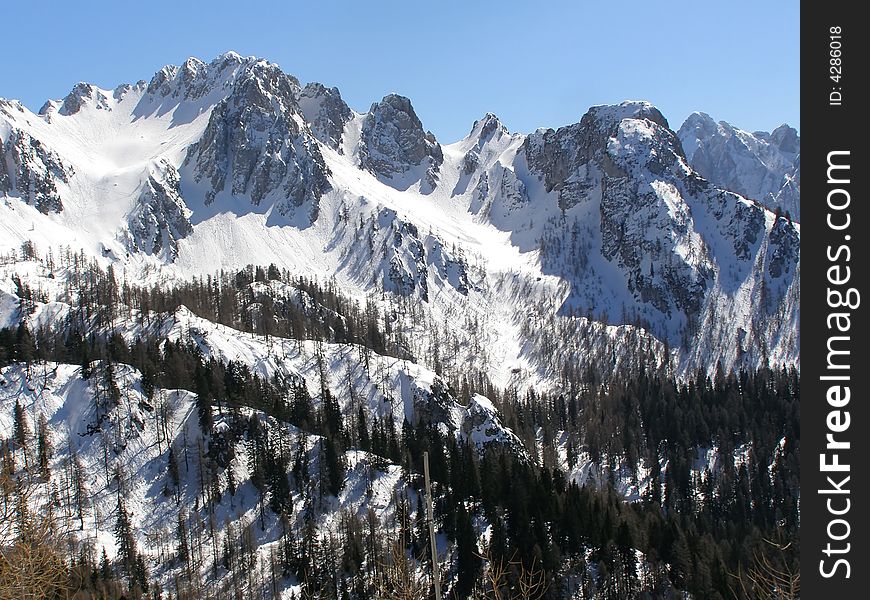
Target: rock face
<point>405,261</point>
<point>644,220</point>
<point>788,197</point>
<point>256,146</point>
<point>407,271</point>
<point>641,233</point>
<point>161,218</point>
<point>32,171</point>
<point>5,181</point>
<point>499,191</point>
<point>572,160</point>
<point>393,144</point>
<point>625,159</point>
<point>325,112</point>
<point>478,423</point>
<point>786,245</point>
<point>486,132</point>
<point>762,166</point>
<point>81,93</point>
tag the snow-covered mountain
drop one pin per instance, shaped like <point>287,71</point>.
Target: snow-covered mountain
<point>233,162</point>
<point>760,165</point>
<point>411,290</point>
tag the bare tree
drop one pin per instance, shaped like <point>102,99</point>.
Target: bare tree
<point>528,583</point>
<point>32,557</point>
<point>771,576</point>
<point>398,578</point>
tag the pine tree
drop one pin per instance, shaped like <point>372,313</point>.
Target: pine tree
<point>333,464</point>
<point>85,359</point>
<point>79,489</point>
<point>203,398</point>
<point>281,500</point>
<point>126,544</point>
<point>467,558</point>
<point>20,428</point>
<point>106,573</point>
<point>174,475</point>
<point>44,448</point>
<point>181,538</point>
<point>363,429</point>
<point>25,347</point>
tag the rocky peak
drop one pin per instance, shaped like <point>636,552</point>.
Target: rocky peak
<point>623,167</point>
<point>760,165</point>
<point>484,132</point>
<point>254,143</point>
<point>195,79</point>
<point>263,81</point>
<point>573,159</point>
<point>786,139</point>
<point>607,116</point>
<point>122,90</point>
<point>646,216</point>
<point>393,141</point>
<point>80,94</point>
<point>698,126</point>
<point>193,76</point>
<point>192,67</point>
<point>161,83</point>
<point>160,217</point>
<point>46,109</point>
<point>488,127</point>
<point>35,172</point>
<point>227,59</point>
<point>326,113</point>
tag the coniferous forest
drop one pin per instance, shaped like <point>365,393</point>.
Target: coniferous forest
<point>627,483</point>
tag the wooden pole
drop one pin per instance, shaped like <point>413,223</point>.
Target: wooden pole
<point>436,579</point>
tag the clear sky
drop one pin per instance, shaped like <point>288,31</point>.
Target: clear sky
<point>535,63</point>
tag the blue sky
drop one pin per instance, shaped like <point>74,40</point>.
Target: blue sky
<point>533,63</point>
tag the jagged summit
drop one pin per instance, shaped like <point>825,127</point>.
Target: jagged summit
<point>487,126</point>
<point>195,78</point>
<point>394,145</point>
<point>760,165</point>
<point>255,144</point>
<point>82,92</point>
<point>786,138</point>
<point>486,141</point>
<point>326,112</point>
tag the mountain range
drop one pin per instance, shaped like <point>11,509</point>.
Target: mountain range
<point>615,218</point>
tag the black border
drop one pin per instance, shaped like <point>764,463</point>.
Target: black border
<point>826,128</point>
